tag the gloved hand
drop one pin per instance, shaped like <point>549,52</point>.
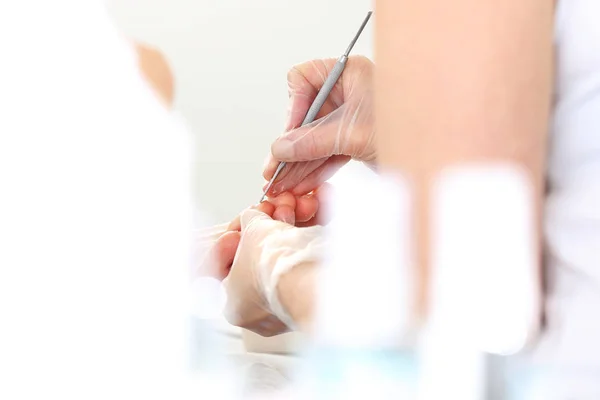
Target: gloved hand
<point>215,247</point>
<point>267,250</point>
<point>345,127</point>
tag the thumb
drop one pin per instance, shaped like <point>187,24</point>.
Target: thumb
<point>311,142</point>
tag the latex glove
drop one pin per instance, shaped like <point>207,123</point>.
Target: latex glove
<point>215,247</point>
<point>344,130</point>
<point>267,250</point>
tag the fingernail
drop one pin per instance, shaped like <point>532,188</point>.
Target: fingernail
<point>283,149</point>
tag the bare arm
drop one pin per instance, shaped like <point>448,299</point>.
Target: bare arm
<point>460,81</point>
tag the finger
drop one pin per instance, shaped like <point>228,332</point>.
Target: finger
<point>299,104</point>
<point>292,174</point>
<point>323,214</point>
<point>252,215</point>
<point>283,199</point>
<point>285,206</point>
<point>265,207</point>
<point>304,82</point>
<point>320,175</point>
<point>269,168</point>
<point>210,234</point>
<point>306,208</point>
<point>316,140</point>
<point>285,214</point>
<point>235,225</point>
<point>324,194</point>
<point>306,79</point>
<point>222,255</point>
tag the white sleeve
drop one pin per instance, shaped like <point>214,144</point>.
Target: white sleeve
<point>94,213</point>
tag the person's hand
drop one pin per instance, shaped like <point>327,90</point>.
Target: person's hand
<point>344,129</point>
<point>216,247</point>
<point>267,250</point>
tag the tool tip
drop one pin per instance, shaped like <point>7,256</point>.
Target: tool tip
<point>362,27</point>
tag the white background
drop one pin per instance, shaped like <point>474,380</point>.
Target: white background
<point>230,59</point>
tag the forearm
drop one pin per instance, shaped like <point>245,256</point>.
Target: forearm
<point>296,292</point>
<point>457,83</point>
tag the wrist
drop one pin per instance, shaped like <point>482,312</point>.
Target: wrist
<point>295,292</point>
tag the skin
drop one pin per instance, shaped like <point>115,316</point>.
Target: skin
<point>246,306</point>
<point>353,90</point>
<point>476,87</point>
<point>301,211</point>
<point>156,71</point>
<point>305,210</point>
